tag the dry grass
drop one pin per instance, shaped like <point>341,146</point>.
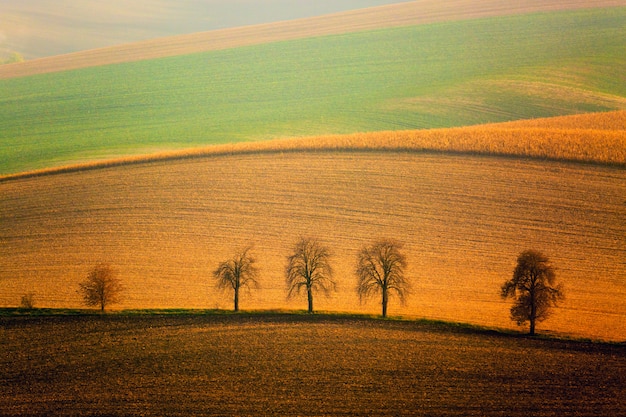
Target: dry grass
<point>596,138</point>
<point>401,14</point>
<point>306,366</point>
<point>610,121</point>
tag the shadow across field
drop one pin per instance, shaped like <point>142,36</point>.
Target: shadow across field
<point>278,363</point>
<point>579,139</point>
<point>206,153</point>
<point>166,225</point>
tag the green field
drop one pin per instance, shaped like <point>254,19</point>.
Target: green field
<point>438,75</point>
<point>288,365</point>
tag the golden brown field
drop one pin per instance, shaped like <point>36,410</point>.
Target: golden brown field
<point>464,219</point>
<point>401,14</point>
<point>270,364</point>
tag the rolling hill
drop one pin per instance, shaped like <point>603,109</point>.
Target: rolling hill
<point>354,87</point>
<point>40,28</point>
<point>94,24</point>
<point>165,157</point>
<point>449,73</point>
<point>251,364</point>
<point>593,138</point>
<point>464,217</point>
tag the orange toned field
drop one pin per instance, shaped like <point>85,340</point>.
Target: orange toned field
<point>401,14</point>
<point>464,219</point>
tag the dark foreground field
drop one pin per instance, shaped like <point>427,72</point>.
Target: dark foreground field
<point>296,365</point>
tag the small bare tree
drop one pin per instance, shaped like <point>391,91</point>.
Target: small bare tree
<point>533,288</point>
<point>102,287</point>
<point>236,273</point>
<point>28,301</point>
<point>309,268</point>
<point>380,268</point>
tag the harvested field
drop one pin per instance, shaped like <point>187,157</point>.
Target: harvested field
<point>296,365</point>
<point>464,219</point>
<point>401,14</point>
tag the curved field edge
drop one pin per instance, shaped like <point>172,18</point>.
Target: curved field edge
<point>85,27</point>
<point>303,316</point>
<point>203,365</point>
<point>517,67</point>
<point>600,139</point>
<point>401,14</point>
<point>462,219</point>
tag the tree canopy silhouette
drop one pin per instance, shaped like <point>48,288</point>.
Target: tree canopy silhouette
<point>236,273</point>
<point>308,268</point>
<point>102,287</point>
<point>380,269</point>
<point>533,287</point>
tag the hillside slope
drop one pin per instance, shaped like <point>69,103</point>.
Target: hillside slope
<point>591,138</point>
<point>192,365</point>
<point>401,14</point>
<point>166,224</point>
<point>423,76</point>
<point>40,28</point>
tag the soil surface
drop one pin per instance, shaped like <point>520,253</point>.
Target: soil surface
<point>296,365</point>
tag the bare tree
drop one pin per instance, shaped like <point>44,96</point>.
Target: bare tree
<point>237,272</point>
<point>102,287</point>
<point>28,301</point>
<point>533,288</point>
<point>309,268</point>
<point>380,268</point>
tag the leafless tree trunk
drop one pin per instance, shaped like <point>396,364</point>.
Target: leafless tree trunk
<point>238,272</point>
<point>308,267</point>
<point>380,267</point>
<point>385,301</point>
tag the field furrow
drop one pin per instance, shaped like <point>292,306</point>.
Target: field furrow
<point>292,365</point>
<point>165,226</point>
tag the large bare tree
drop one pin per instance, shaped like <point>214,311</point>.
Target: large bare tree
<point>533,287</point>
<point>308,268</point>
<point>380,269</point>
<point>102,287</point>
<point>236,273</point>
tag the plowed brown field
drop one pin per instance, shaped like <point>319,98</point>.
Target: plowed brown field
<point>401,14</point>
<point>295,366</point>
<point>165,225</point>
